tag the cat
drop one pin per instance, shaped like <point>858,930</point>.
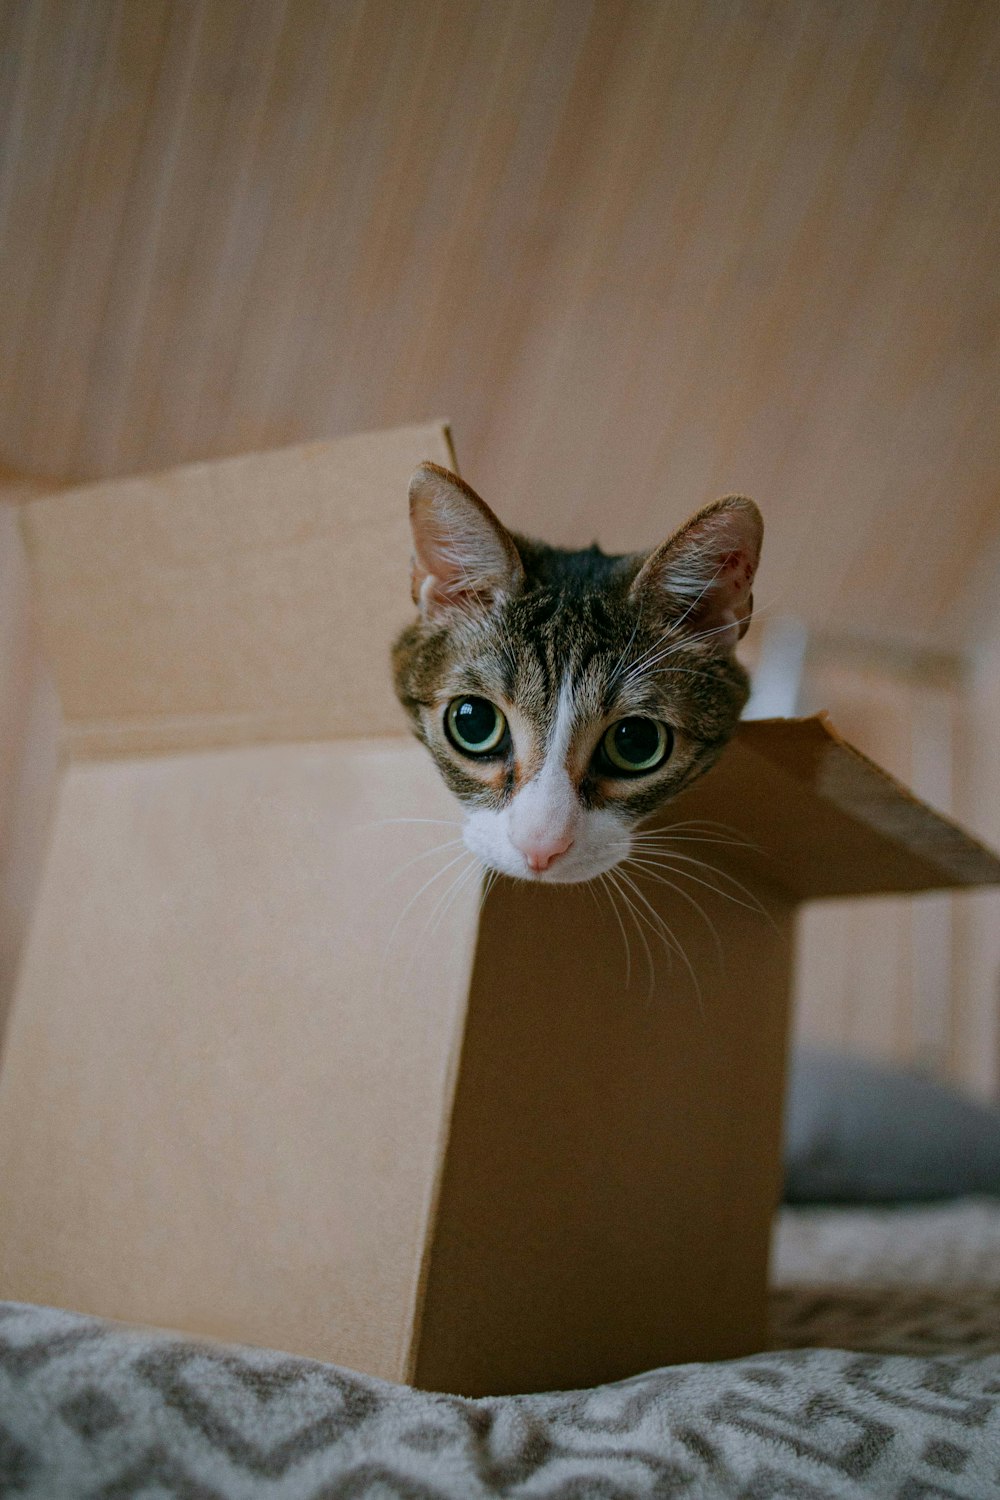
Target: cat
<point>565,696</point>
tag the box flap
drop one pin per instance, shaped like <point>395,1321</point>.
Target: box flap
<point>827,821</point>
<point>231,602</point>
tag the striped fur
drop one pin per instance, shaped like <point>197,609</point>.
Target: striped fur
<point>534,628</point>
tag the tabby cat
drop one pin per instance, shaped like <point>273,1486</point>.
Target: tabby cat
<point>565,696</point>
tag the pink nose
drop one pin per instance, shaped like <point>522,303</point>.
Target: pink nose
<point>540,853</point>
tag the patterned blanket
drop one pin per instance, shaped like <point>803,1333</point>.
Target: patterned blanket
<point>93,1409</point>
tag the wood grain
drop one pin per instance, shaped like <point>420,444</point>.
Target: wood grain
<point>640,252</point>
<point>29,745</point>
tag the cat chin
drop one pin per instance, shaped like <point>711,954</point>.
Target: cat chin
<point>601,844</point>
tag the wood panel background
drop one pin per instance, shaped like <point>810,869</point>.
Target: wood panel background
<point>29,745</point>
<point>640,252</point>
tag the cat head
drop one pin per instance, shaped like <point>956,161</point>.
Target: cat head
<point>566,696</point>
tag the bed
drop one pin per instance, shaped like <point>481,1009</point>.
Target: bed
<point>884,1380</point>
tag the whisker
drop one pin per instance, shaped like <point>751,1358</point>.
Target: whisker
<point>752,903</point>
<point>605,885</point>
<point>413,899</point>
<point>401,917</point>
<point>425,854</point>
<point>440,908</point>
<point>492,876</point>
<point>753,900</point>
<point>381,822</point>
<point>647,844</point>
<point>653,919</point>
<point>704,589</point>
<point>675,625</point>
<point>647,662</point>
<point>616,669</point>
<point>663,931</point>
<point>647,874</point>
<point>457,885</point>
<point>712,833</point>
<point>666,841</point>
<point>676,671</point>
<point>684,638</point>
<point>612,876</point>
<point>640,661</point>
<point>704,823</point>
<point>664,863</point>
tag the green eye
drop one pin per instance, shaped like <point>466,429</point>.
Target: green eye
<point>474,725</point>
<point>634,746</point>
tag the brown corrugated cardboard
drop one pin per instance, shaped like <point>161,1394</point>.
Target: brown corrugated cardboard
<point>271,1076</point>
<point>614,1155</point>
<point>229,1080</point>
<point>233,602</point>
<point>828,821</point>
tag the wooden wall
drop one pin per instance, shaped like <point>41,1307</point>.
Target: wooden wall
<point>29,734</point>
<point>880,976</point>
<point>912,981</point>
<point>639,251</point>
<point>976,1008</point>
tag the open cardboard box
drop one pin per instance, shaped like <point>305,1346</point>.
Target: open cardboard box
<point>259,1084</point>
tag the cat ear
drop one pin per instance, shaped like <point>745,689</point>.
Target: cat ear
<point>463,558</point>
<point>704,574</point>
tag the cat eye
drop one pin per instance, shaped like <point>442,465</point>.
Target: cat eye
<point>475,726</point>
<point>634,746</point>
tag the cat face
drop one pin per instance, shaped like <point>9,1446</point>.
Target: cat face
<point>566,696</point>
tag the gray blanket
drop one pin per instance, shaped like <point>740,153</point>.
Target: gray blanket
<point>92,1409</point>
<point>905,1405</point>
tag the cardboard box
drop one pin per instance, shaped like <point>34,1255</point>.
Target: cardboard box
<point>262,1082</point>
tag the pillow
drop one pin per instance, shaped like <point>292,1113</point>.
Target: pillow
<point>857,1132</point>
